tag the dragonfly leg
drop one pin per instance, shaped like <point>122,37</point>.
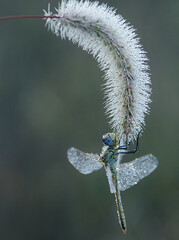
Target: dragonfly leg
<point>123,146</point>
<point>132,150</point>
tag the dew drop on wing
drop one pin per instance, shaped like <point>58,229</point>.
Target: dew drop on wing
<point>131,173</point>
<point>85,163</point>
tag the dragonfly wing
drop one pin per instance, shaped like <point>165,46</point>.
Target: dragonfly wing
<point>84,162</point>
<point>129,174</point>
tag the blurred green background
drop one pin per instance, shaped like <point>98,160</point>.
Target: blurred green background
<point>51,99</point>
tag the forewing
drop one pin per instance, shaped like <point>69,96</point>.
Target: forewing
<point>84,162</point>
<point>129,174</point>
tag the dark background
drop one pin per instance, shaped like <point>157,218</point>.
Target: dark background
<point>51,99</point>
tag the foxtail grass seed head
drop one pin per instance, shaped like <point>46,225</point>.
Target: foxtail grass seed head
<point>114,44</point>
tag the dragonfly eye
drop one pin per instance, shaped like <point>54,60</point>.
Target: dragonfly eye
<point>108,140</point>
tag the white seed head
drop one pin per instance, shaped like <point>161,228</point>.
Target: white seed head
<point>113,43</point>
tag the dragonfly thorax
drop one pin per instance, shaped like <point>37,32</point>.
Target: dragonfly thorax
<point>110,157</point>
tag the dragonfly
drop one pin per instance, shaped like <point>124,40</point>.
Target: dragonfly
<point>120,176</point>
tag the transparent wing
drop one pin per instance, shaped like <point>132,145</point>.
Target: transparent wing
<point>129,174</point>
<point>84,162</point>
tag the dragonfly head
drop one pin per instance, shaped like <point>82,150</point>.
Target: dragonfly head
<point>109,139</point>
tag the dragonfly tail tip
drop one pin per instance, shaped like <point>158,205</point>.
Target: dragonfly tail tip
<point>124,230</point>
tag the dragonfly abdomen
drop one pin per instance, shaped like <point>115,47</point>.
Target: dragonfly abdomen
<point>120,212</point>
